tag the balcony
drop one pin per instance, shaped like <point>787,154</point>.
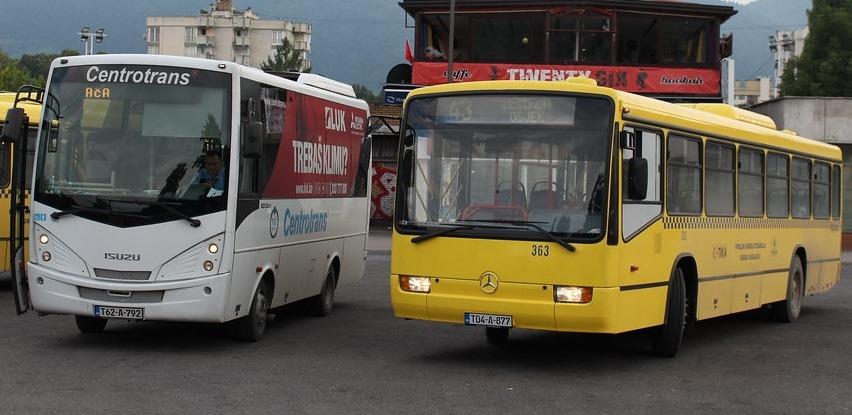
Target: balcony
<point>242,41</point>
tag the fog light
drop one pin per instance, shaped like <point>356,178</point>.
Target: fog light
<point>43,239</point>
<point>208,265</point>
<point>213,248</point>
<point>208,290</point>
<point>415,284</point>
<point>579,295</point>
<point>45,256</point>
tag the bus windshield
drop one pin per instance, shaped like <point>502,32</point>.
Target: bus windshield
<point>503,159</point>
<point>131,145</point>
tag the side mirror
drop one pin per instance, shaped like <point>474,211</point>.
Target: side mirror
<point>627,140</point>
<point>13,130</point>
<point>251,134</point>
<point>637,178</point>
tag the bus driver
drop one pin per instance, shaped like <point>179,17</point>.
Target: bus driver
<point>212,175</point>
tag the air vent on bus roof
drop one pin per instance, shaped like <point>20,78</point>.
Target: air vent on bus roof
<point>330,85</point>
<point>735,113</point>
<point>582,80</point>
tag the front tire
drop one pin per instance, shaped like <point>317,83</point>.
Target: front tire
<point>322,304</point>
<point>252,327</point>
<point>666,339</point>
<point>90,325</point>
<point>788,311</point>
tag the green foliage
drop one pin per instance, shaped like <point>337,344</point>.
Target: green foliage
<point>285,59</point>
<point>825,66</point>
<point>29,69</point>
<point>362,92</point>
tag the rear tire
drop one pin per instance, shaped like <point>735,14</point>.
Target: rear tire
<point>496,335</point>
<point>666,339</point>
<point>90,325</point>
<point>788,311</point>
<point>252,327</point>
<point>321,305</point>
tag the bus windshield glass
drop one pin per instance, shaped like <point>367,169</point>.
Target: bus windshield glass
<point>131,145</point>
<point>502,163</point>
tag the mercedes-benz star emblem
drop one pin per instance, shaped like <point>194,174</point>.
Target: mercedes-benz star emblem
<point>488,283</point>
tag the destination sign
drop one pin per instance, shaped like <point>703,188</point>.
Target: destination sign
<point>506,109</point>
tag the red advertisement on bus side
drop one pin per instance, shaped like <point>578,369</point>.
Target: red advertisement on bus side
<point>319,152</point>
<point>640,80</point>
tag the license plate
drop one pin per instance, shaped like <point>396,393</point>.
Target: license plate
<point>490,320</point>
<point>130,313</point>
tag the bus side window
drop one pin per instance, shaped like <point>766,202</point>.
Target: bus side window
<point>249,163</point>
<point>638,213</point>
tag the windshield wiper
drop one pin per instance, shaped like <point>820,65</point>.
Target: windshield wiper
<point>427,236</point>
<point>531,225</point>
<point>77,209</point>
<point>194,222</point>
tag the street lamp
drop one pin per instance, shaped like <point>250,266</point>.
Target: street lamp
<point>89,39</point>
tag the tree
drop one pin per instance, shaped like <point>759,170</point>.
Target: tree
<point>285,59</point>
<point>11,76</point>
<point>39,64</point>
<point>362,92</point>
<point>825,66</point>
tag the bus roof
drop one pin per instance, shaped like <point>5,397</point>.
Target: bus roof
<point>7,100</point>
<point>707,121</point>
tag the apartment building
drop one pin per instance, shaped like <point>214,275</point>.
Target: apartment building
<point>226,33</point>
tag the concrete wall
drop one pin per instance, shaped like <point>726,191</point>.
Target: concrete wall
<point>824,119</point>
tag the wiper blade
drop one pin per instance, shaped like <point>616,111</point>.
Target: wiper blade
<point>194,222</point>
<point>532,225</point>
<point>449,229</point>
<point>77,209</point>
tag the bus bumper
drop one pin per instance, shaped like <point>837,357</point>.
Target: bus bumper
<point>531,306</point>
<point>54,292</point>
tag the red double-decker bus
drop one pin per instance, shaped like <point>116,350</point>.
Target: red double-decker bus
<point>666,49</point>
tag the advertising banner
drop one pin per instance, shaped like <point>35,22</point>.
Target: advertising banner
<point>640,80</point>
<point>320,150</point>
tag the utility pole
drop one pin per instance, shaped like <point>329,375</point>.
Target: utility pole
<point>452,47</point>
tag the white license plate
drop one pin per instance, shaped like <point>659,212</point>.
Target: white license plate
<point>490,320</point>
<point>130,313</point>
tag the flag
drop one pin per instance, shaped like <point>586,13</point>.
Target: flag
<point>409,56</point>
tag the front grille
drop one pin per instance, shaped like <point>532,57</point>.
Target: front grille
<point>110,274</point>
<point>115,296</point>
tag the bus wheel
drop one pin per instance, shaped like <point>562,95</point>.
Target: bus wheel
<point>88,324</point>
<point>666,339</point>
<point>787,311</point>
<point>321,304</point>
<point>496,335</point>
<point>252,327</point>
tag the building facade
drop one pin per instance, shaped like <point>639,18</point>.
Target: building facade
<point>785,45</point>
<point>226,33</point>
<point>751,92</point>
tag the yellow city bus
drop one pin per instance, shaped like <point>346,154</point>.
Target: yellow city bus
<point>33,111</point>
<point>569,207</point>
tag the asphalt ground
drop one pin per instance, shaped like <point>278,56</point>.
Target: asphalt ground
<point>361,359</point>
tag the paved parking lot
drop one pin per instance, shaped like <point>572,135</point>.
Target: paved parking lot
<point>363,360</point>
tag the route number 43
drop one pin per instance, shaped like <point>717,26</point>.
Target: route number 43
<point>540,250</point>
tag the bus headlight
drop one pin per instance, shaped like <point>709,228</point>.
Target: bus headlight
<point>43,239</point>
<point>208,266</point>
<point>415,284</point>
<point>578,295</point>
<point>213,248</point>
<point>45,256</point>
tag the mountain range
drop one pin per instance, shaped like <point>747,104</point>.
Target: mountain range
<point>352,41</point>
